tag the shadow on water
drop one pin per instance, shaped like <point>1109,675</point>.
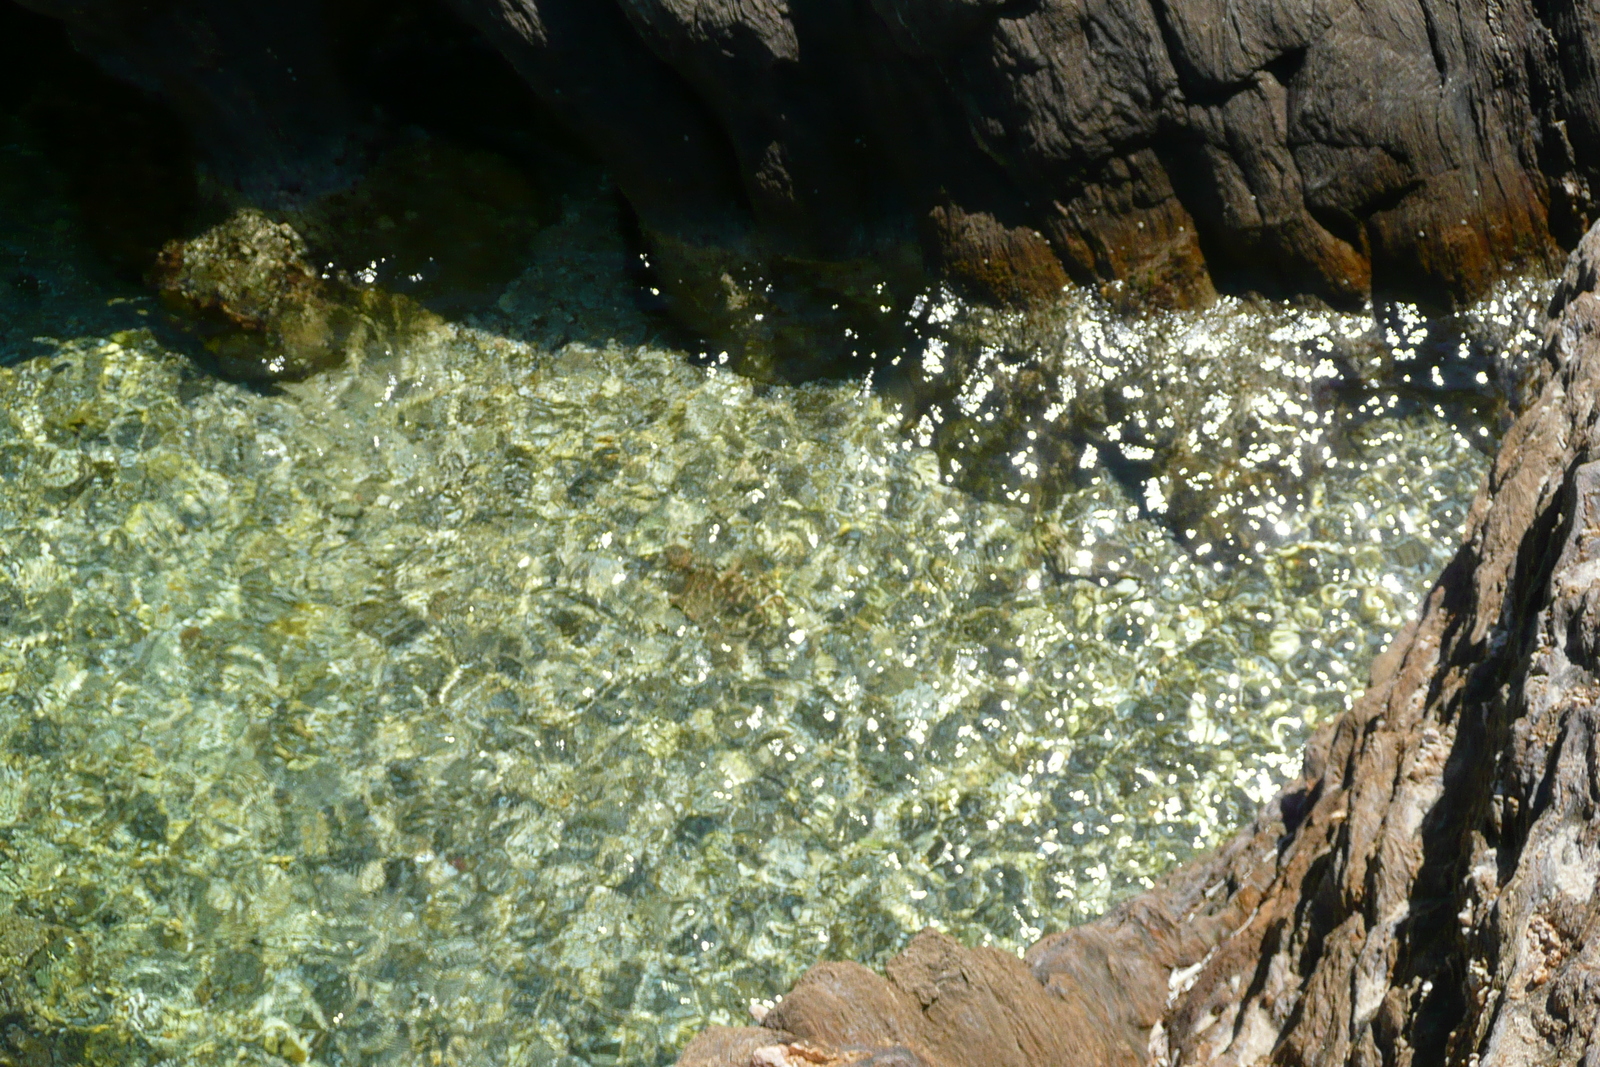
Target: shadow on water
<point>94,175</point>
<point>478,206</point>
<point>465,168</point>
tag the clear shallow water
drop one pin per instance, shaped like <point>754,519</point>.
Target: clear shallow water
<point>539,701</point>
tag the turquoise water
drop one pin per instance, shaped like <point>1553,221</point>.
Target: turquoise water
<point>532,693</point>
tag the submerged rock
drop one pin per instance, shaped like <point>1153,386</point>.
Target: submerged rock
<point>1428,888</point>
<point>248,290</point>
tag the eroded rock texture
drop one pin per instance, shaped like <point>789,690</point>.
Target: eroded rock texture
<point>1155,142</point>
<point>1156,146</point>
<point>1426,895</point>
<point>246,289</point>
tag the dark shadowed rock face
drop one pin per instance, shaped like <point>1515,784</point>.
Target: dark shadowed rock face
<point>254,83</point>
<point>1322,147</point>
<point>788,156</point>
<point>1425,895</point>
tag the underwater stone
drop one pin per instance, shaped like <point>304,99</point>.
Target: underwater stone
<point>247,289</point>
<point>439,223</point>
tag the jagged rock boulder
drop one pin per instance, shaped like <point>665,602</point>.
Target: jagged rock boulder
<point>247,291</point>
<point>787,156</point>
<point>1427,894</point>
<point>1152,142</point>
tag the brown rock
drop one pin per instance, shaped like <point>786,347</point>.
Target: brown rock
<point>246,288</point>
<point>784,156</point>
<point>947,1005</point>
<point>718,1046</point>
<point>1127,227</point>
<point>1014,265</point>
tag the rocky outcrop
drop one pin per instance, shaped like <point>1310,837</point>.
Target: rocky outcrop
<point>1425,895</point>
<point>787,156</point>
<point>1156,143</point>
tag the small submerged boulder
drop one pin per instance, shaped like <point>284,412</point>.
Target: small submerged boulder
<point>248,290</point>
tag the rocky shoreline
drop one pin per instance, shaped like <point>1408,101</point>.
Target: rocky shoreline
<point>793,167</point>
<point>1425,894</point>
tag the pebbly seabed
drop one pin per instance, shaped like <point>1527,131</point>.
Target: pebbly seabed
<point>530,694</point>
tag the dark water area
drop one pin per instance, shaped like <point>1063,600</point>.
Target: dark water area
<point>534,688</point>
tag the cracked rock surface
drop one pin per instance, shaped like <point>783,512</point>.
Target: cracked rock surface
<point>1157,143</point>
<point>1155,148</point>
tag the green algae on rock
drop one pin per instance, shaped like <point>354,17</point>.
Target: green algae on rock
<point>263,312</point>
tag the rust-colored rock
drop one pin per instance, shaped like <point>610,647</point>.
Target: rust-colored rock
<point>1007,265</point>
<point>1426,894</point>
<point>1127,227</point>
